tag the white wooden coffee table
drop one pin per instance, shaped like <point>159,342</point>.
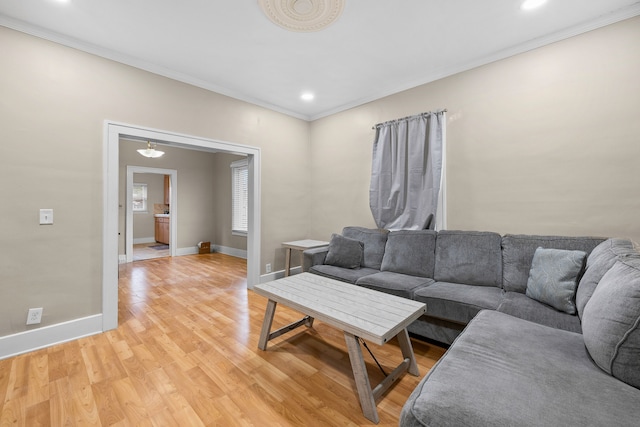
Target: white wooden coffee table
<point>359,312</point>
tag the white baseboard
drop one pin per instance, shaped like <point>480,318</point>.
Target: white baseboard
<point>238,253</point>
<point>189,250</point>
<point>140,240</point>
<point>279,274</point>
<point>35,339</point>
<point>193,250</point>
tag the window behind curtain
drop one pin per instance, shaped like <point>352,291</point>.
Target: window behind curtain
<point>240,196</point>
<point>139,197</point>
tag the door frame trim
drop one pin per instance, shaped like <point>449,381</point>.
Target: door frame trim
<point>113,131</point>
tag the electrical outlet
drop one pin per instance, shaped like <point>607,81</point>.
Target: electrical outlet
<point>268,267</point>
<point>34,316</point>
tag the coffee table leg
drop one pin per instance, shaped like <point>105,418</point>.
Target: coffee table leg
<point>365,394</point>
<point>266,324</point>
<point>407,352</point>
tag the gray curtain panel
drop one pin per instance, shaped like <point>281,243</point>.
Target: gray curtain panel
<point>406,172</point>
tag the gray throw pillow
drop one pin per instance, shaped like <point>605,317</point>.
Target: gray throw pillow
<point>344,252</point>
<point>553,277</point>
<point>611,322</point>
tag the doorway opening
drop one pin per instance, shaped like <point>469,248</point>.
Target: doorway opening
<point>114,132</point>
<point>165,217</point>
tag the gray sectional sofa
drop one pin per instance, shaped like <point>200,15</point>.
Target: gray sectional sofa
<point>545,330</point>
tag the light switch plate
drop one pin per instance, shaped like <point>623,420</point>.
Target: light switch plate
<point>46,216</point>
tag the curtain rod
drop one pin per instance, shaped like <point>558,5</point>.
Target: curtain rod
<point>409,117</point>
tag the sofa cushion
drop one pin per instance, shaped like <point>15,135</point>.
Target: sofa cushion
<point>470,257</point>
<point>553,277</point>
<point>349,275</point>
<point>599,262</point>
<point>374,242</point>
<point>505,371</point>
<point>520,305</point>
<point>611,322</point>
<point>457,302</point>
<point>394,283</point>
<point>410,252</point>
<point>344,252</point>
<point>518,250</point>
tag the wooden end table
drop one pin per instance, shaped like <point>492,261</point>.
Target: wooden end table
<point>300,245</point>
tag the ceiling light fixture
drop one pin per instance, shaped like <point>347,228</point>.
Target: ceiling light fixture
<point>302,15</point>
<point>150,151</point>
<point>307,96</point>
<point>532,4</point>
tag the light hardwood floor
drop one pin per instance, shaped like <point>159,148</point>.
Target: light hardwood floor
<point>185,354</point>
<point>142,251</point>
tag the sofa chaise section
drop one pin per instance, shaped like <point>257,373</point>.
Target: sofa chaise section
<point>503,370</point>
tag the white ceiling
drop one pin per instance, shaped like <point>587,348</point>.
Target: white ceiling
<point>376,48</point>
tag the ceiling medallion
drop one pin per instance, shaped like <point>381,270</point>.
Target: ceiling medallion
<point>302,15</point>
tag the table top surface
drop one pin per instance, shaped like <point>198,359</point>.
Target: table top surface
<point>372,315</point>
<point>304,244</point>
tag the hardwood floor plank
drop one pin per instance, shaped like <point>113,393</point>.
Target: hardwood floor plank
<point>186,353</point>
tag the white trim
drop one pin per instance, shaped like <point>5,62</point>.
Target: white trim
<point>140,240</point>
<point>193,250</point>
<point>188,250</point>
<point>113,131</point>
<point>35,339</point>
<point>238,253</point>
<point>279,274</point>
<point>173,219</point>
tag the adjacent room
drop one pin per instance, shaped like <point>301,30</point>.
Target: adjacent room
<point>268,268</point>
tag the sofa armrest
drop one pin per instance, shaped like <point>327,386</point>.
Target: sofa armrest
<point>315,256</point>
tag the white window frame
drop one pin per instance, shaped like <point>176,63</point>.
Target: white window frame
<point>239,198</point>
<point>145,207</point>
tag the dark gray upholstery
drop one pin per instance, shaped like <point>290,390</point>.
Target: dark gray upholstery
<point>349,275</point>
<point>436,329</point>
<point>599,262</point>
<point>457,302</point>
<point>518,250</point>
<point>505,371</point>
<point>410,252</point>
<point>470,257</point>
<point>374,242</point>
<point>611,322</point>
<point>314,256</point>
<point>344,252</point>
<point>520,305</point>
<point>394,283</point>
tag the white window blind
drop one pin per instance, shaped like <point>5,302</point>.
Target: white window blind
<point>139,197</point>
<point>240,195</point>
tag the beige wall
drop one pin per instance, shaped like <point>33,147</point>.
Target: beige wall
<point>546,142</point>
<point>222,206</point>
<point>53,106</point>
<point>143,222</point>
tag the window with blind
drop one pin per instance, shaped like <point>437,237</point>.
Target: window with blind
<point>240,197</point>
<point>139,197</point>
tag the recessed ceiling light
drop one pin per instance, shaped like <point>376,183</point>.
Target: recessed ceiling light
<point>532,4</point>
<point>307,96</point>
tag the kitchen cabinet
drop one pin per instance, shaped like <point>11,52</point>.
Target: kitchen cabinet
<point>162,230</point>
